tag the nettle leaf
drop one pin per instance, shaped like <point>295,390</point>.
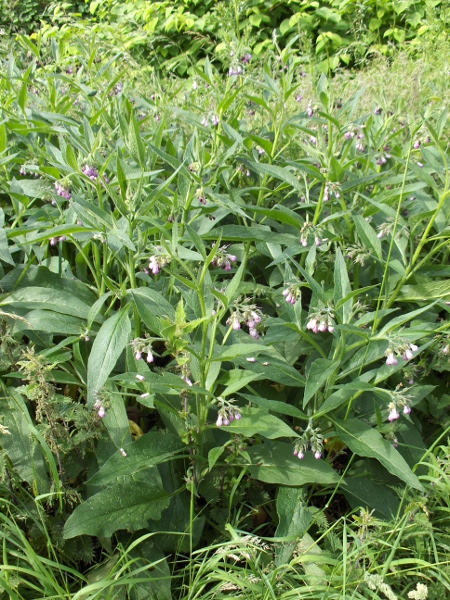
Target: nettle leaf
<point>363,440</point>
<point>149,450</point>
<point>123,506</point>
<point>256,421</point>
<point>108,345</point>
<point>274,462</point>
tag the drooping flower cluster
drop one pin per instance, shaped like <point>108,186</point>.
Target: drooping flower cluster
<point>310,232</point>
<point>400,348</point>
<point>63,190</point>
<point>100,408</point>
<point>321,320</point>
<point>91,172</point>
<point>201,196</point>
<point>159,260</point>
<point>54,241</point>
<point>311,439</point>
<point>142,346</point>
<point>400,401</point>
<point>292,293</point>
<point>227,412</point>
<point>223,260</point>
<point>332,190</point>
<point>246,314</point>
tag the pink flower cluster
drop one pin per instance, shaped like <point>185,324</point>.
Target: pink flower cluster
<point>291,294</point>
<point>250,316</point>
<point>158,262</point>
<point>91,172</point>
<point>63,191</point>
<point>408,354</point>
<point>320,325</point>
<point>227,415</point>
<point>223,260</point>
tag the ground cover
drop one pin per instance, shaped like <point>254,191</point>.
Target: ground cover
<point>225,346</point>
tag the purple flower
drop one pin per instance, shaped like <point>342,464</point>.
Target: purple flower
<point>317,455</point>
<point>101,411</point>
<point>406,409</point>
<point>393,412</point>
<point>138,355</point>
<point>246,58</point>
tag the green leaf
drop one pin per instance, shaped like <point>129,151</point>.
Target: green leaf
<point>362,492</point>
<point>273,369</point>
<point>363,440</point>
<point>367,235</point>
<point>274,462</point>
<point>26,456</point>
<point>109,344</point>
<point>294,519</point>
<point>423,292</point>
<point>48,299</point>
<point>152,306</point>
<point>5,254</point>
<point>123,506</point>
<point>149,450</point>
<point>256,421</point>
<point>342,288</point>
<point>276,172</point>
<point>402,319</point>
<point>320,370</point>
<point>236,380</point>
<point>51,322</point>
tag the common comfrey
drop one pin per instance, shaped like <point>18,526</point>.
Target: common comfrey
<point>321,320</point>
<point>63,190</point>
<point>223,260</point>
<point>246,314</point>
<point>90,171</point>
<point>332,190</point>
<point>311,439</point>
<point>400,348</point>
<point>400,402</point>
<point>159,260</point>
<point>292,293</point>
<point>100,407</point>
<point>227,412</point>
<point>310,233</point>
<point>143,347</point>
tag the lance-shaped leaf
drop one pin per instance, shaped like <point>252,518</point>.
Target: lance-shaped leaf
<point>108,346</point>
<point>256,421</point>
<point>274,462</point>
<point>148,451</point>
<point>123,506</point>
<point>363,440</point>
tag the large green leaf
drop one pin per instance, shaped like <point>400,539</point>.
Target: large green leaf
<point>274,462</point>
<point>24,454</point>
<point>273,369</point>
<point>342,288</point>
<point>123,506</point>
<point>320,370</point>
<point>363,440</point>
<point>362,492</point>
<point>148,451</point>
<point>48,299</point>
<point>294,520</point>
<point>152,306</point>
<point>256,421</point>
<point>108,346</point>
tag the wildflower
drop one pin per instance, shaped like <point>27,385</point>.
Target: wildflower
<point>246,58</point>
<point>298,98</point>
<point>408,354</point>
<point>406,409</point>
<point>158,262</point>
<point>90,172</point>
<point>391,358</point>
<point>349,135</point>
<point>393,412</point>
<point>215,120</point>
<point>416,144</point>
<point>138,355</point>
<point>150,357</point>
<point>310,110</point>
<point>359,147</point>
<point>53,241</point>
<point>291,294</point>
<point>101,412</point>
<point>317,455</point>
<point>195,85</point>
<point>63,190</point>
<point>223,259</point>
<point>205,121</point>
<point>234,321</point>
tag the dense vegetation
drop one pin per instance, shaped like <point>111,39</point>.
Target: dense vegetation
<point>224,296</point>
